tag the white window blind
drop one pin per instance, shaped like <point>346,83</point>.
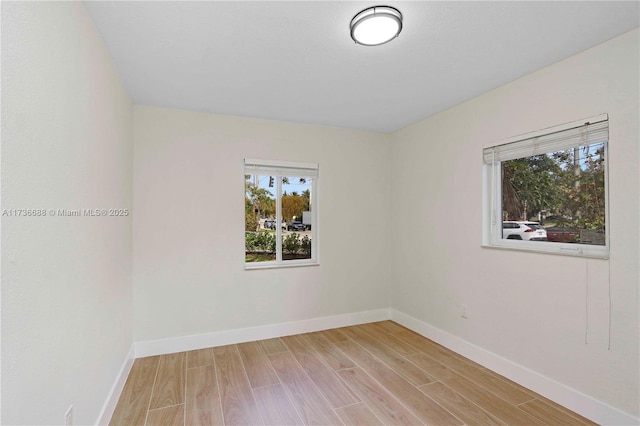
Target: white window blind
<point>581,135</point>
<point>280,168</point>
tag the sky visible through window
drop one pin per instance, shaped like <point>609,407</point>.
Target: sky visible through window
<point>294,185</point>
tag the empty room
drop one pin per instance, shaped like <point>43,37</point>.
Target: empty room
<point>323,212</point>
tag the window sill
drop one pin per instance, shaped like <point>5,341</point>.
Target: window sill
<point>572,250</point>
<point>273,265</point>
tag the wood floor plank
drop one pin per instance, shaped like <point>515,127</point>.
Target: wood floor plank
<point>390,326</point>
<point>506,412</point>
<point>202,397</point>
<point>458,405</point>
<point>444,374</point>
<point>330,354</point>
<point>272,346</point>
<point>438,352</point>
<point>136,394</point>
<point>199,358</point>
<point>169,387</point>
<point>501,388</point>
<point>166,416</point>
<point>358,415</point>
<point>470,390</point>
<point>420,404</point>
<point>336,392</point>
<point>550,414</point>
<point>238,403</point>
<point>385,406</point>
<point>566,410</point>
<point>431,366</point>
<point>275,406</point>
<point>305,397</point>
<point>257,365</point>
<point>402,366</point>
<point>491,381</point>
<point>398,345</point>
<point>334,335</point>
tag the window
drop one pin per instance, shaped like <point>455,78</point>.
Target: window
<point>547,191</point>
<point>280,222</point>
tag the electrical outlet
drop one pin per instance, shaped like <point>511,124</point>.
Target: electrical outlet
<point>464,311</point>
<point>68,416</point>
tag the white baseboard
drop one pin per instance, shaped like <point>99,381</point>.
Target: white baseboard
<point>220,338</point>
<point>572,399</point>
<point>116,390</point>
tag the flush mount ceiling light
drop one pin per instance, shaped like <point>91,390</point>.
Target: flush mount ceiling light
<point>376,25</point>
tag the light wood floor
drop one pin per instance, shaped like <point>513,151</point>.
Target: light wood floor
<point>372,374</point>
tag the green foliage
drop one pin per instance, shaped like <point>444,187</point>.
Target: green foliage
<point>258,203</point>
<point>261,246</point>
<point>259,257</point>
<point>250,220</point>
<point>262,241</point>
<point>291,244</point>
<point>262,200</point>
<point>531,180</point>
<point>261,203</point>
<point>585,201</point>
<point>305,246</point>
<point>568,184</point>
<point>293,205</point>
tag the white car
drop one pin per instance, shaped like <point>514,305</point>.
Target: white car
<point>527,231</point>
<point>271,224</point>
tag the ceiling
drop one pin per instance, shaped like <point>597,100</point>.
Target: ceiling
<point>295,61</point>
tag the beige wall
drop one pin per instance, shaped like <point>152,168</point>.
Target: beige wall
<point>529,308</point>
<point>66,281</point>
<point>189,215</point>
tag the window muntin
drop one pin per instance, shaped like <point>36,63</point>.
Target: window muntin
<point>280,214</point>
<point>554,180</point>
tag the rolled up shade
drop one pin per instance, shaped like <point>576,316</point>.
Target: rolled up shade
<point>280,168</point>
<point>583,134</point>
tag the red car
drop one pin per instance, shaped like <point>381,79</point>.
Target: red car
<point>559,234</point>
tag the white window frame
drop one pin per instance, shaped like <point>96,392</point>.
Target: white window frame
<point>279,169</point>
<point>517,147</point>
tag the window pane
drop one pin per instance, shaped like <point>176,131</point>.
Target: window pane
<point>296,213</point>
<point>259,215</point>
<point>558,196</point>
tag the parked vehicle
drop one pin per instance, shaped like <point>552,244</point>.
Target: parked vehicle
<point>296,226</point>
<point>527,231</point>
<point>306,220</point>
<point>271,224</point>
<point>561,234</point>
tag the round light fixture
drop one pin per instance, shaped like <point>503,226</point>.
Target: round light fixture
<point>376,25</point>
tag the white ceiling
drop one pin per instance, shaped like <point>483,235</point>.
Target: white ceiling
<point>295,61</point>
